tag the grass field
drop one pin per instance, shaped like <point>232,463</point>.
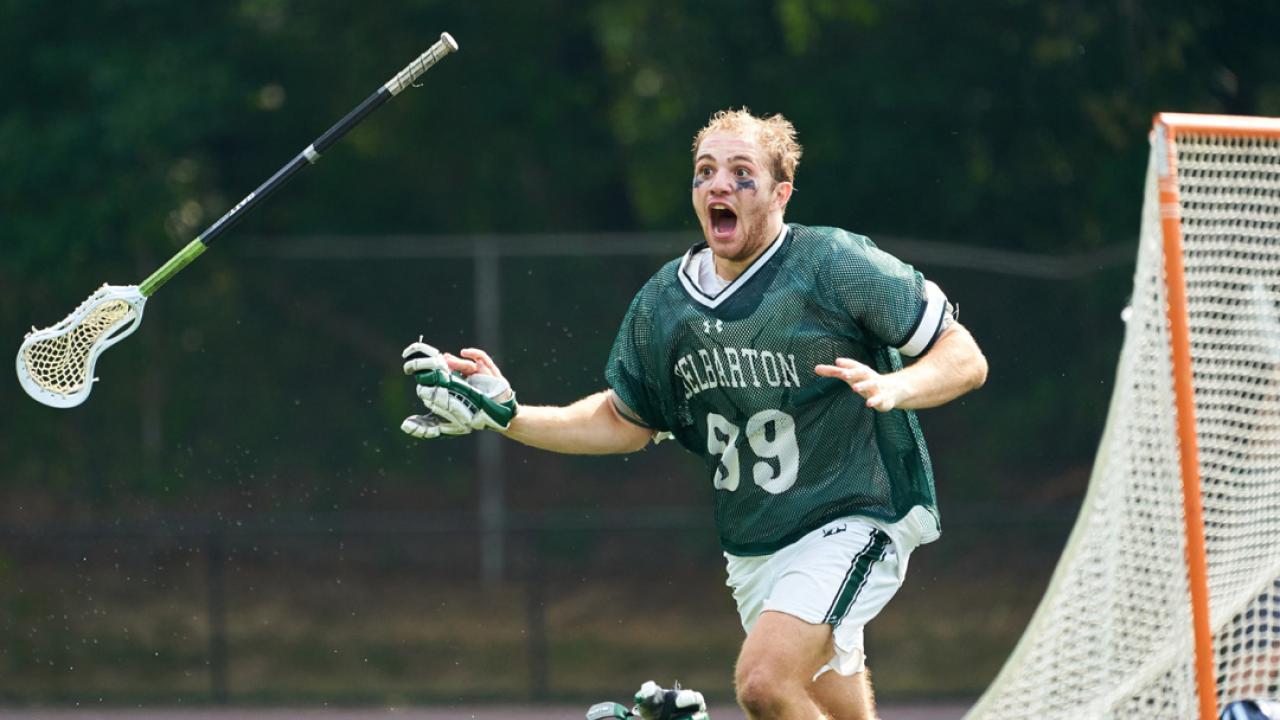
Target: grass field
<point>890,711</point>
<point>347,630</point>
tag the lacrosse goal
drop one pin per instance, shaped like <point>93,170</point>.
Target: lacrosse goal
<point>1166,601</point>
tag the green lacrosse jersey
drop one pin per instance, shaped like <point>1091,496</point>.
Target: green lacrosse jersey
<point>730,375</point>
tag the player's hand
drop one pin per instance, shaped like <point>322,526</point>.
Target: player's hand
<point>656,703</point>
<point>457,402</point>
<point>429,425</point>
<point>882,392</point>
<point>444,416</point>
<point>472,361</point>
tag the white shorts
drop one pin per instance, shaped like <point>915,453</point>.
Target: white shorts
<point>841,574</point>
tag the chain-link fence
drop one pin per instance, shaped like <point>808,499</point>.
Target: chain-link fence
<point>235,517</point>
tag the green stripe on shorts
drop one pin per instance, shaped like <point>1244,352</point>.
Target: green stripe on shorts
<point>856,578</point>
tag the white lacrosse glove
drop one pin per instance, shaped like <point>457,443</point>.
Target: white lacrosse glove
<point>656,703</point>
<point>428,425</point>
<point>456,405</point>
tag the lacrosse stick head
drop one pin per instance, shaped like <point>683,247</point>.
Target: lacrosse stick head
<point>55,365</point>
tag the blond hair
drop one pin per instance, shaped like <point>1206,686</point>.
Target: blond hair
<point>775,134</point>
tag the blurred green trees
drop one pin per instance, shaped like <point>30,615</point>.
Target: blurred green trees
<point>128,127</point>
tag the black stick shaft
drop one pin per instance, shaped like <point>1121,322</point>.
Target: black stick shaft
<point>312,153</point>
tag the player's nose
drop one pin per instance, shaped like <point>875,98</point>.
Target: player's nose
<point>721,182</point>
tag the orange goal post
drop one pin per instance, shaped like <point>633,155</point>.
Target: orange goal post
<point>1166,600</point>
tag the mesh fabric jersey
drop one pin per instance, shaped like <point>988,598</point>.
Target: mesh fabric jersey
<point>731,376</point>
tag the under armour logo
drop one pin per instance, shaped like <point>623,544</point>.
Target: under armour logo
<point>706,326</point>
<point>828,532</point>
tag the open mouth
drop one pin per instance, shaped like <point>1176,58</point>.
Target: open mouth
<point>723,221</point>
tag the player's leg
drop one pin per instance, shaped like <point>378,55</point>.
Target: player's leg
<point>845,697</point>
<point>776,667</point>
<point>804,609</point>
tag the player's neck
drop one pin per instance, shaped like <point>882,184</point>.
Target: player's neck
<point>729,270</point>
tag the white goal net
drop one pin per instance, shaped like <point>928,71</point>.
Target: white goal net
<point>1112,637</point>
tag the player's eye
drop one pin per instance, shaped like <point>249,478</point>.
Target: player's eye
<point>704,171</point>
<point>742,173</point>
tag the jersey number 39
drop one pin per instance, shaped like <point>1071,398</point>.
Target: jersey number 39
<point>772,437</point>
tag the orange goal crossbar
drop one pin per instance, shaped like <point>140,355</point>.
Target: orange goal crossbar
<point>1232,125</point>
<point>1166,130</point>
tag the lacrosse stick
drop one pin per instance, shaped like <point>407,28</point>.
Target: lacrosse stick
<point>55,365</point>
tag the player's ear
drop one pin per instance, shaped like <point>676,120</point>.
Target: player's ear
<point>782,193</point>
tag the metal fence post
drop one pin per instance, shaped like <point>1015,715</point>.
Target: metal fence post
<point>488,299</point>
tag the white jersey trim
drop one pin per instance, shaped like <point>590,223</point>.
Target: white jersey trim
<point>688,273</point>
<point>931,319</point>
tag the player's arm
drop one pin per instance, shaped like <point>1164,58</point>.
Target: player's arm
<point>590,426</point>
<point>467,391</point>
<point>897,306</point>
<point>951,367</point>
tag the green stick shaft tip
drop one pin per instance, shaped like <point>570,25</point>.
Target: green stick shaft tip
<point>171,268</point>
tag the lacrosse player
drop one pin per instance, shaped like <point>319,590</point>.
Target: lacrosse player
<point>775,352</point>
